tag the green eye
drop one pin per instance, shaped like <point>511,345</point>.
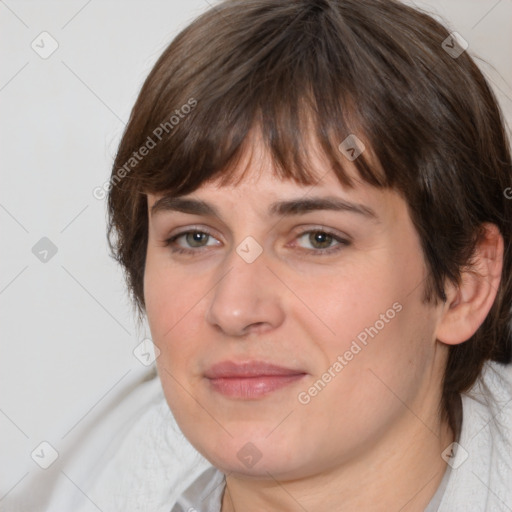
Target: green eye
<point>320,239</point>
<point>196,238</point>
<point>322,242</point>
<point>187,241</point>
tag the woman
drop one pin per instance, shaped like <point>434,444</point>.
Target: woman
<point>309,202</point>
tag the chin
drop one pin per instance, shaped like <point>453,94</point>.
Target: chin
<point>257,455</point>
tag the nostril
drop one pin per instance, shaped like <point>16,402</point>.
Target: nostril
<point>257,327</point>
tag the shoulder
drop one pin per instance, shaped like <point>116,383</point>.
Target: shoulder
<point>147,463</point>
<point>481,470</point>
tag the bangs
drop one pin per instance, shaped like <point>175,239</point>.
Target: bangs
<point>291,135</point>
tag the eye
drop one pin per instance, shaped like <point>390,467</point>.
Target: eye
<point>187,241</point>
<point>322,241</point>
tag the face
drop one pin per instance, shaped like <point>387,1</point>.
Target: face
<point>289,319</point>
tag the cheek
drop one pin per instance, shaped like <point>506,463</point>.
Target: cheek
<point>366,383</point>
<point>376,321</point>
<point>169,295</point>
<point>351,304</point>
<point>173,304</point>
<point>385,358</point>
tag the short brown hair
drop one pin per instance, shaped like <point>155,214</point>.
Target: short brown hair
<point>375,68</point>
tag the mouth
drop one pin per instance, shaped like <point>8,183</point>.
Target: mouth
<point>250,380</point>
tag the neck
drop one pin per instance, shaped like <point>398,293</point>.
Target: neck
<point>400,472</point>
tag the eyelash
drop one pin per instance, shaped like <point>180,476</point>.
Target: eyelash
<point>319,252</point>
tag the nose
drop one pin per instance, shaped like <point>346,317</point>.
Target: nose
<point>246,299</point>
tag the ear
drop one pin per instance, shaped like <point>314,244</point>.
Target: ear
<point>468,304</point>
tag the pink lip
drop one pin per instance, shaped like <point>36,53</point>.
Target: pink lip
<point>250,380</point>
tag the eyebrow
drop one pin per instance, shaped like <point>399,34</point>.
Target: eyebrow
<point>281,208</point>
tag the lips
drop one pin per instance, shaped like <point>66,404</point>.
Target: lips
<point>250,380</point>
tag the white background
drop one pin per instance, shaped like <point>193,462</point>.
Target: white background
<point>67,328</point>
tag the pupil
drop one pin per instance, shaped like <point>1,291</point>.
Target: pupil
<point>196,238</point>
<point>320,238</point>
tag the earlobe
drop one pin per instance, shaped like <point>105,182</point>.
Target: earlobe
<point>469,303</point>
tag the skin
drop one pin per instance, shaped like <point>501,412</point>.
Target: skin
<point>372,438</point>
